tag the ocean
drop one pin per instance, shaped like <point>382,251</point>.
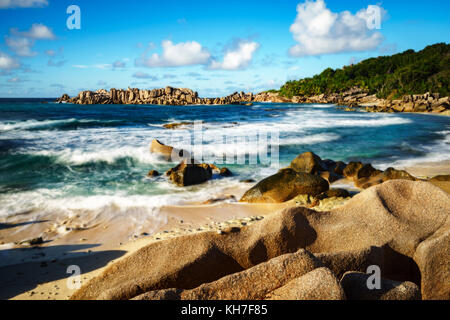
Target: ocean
<point>93,159</point>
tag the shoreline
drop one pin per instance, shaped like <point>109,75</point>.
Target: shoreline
<point>40,272</point>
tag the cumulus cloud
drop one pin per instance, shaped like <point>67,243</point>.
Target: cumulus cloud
<point>20,46</point>
<point>176,55</point>
<point>321,31</point>
<point>5,4</point>
<point>237,58</point>
<point>38,31</point>
<point>7,63</point>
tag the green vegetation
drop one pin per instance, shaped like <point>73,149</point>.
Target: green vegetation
<point>391,77</point>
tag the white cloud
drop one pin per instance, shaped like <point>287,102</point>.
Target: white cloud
<point>176,55</point>
<point>143,75</point>
<point>50,53</point>
<point>5,4</point>
<point>6,62</point>
<point>320,31</point>
<point>21,46</point>
<point>101,66</point>
<point>119,64</point>
<point>237,58</point>
<point>80,66</point>
<point>37,31</point>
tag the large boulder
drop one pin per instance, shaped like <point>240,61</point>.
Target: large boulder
<point>188,174</point>
<point>308,162</point>
<point>433,259</point>
<point>252,284</point>
<point>356,288</point>
<point>285,185</point>
<point>319,284</point>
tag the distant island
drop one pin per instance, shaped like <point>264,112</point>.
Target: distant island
<point>405,82</point>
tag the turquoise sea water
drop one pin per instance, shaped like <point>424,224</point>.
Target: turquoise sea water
<point>66,158</point>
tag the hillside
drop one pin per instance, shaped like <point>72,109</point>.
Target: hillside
<point>390,77</point>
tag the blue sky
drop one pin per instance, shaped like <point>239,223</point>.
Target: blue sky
<point>214,47</point>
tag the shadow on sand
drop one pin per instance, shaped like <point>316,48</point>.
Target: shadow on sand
<point>18,278</point>
<point>4,226</point>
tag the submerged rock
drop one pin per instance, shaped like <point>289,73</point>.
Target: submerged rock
<point>153,173</point>
<point>225,172</point>
<point>177,125</point>
<point>190,174</point>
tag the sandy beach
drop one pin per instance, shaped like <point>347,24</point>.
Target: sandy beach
<point>40,272</point>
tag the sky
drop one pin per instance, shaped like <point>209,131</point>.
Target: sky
<point>213,47</point>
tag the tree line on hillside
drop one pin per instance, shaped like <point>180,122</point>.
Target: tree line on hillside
<point>389,77</point>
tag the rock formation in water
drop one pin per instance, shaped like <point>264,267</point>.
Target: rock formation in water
<point>353,99</point>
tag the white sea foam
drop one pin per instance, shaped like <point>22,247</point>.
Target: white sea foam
<point>40,203</point>
<point>30,124</point>
<point>439,151</point>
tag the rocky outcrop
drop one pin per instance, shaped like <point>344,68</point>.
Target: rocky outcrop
<point>401,226</point>
<point>353,99</point>
<point>306,177</point>
<point>163,96</point>
<point>252,284</point>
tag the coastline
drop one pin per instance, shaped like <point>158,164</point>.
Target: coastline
<point>36,274</point>
<point>350,100</point>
